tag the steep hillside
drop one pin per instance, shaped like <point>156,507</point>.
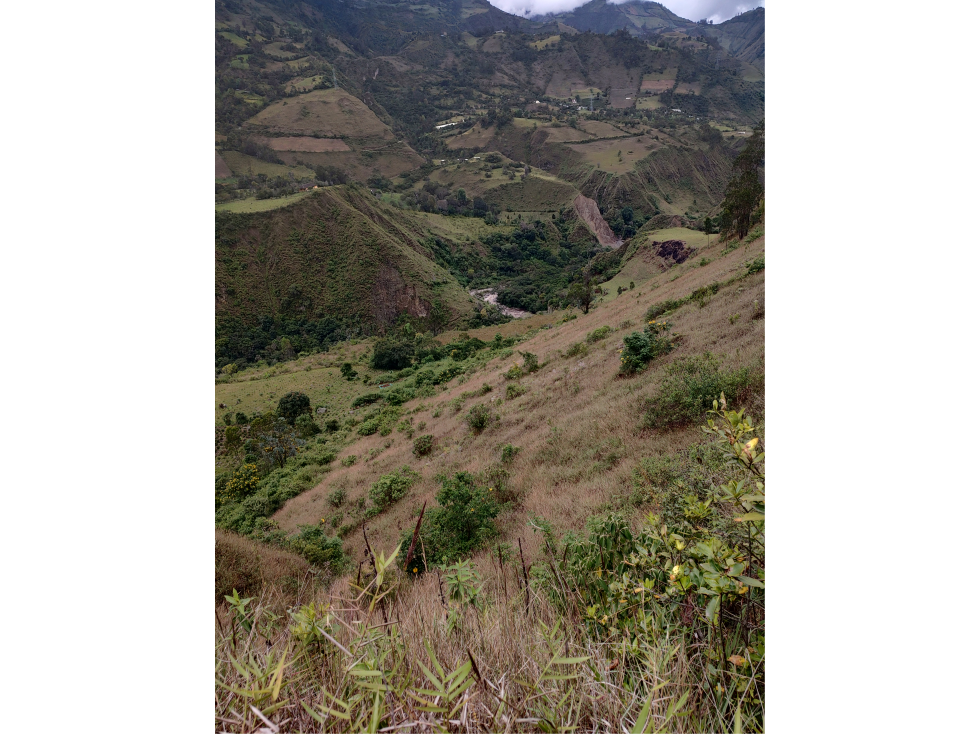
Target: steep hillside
<point>636,16</point>
<point>743,36</point>
<point>338,255</point>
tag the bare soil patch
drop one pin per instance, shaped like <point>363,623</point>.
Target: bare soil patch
<point>221,169</point>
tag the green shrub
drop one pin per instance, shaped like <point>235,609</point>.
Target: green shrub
<point>641,347</point>
<point>369,427</point>
<point>529,362</point>
<point>228,419</point>
<point>514,373</point>
<point>241,419</point>
<point>598,334</point>
<point>366,399</point>
<point>306,426</point>
<point>389,488</point>
<point>338,496</point>
<point>461,523</point>
<point>514,390</point>
<point>332,425</point>
<point>484,389</point>
<point>424,377</point>
<point>232,438</point>
<point>347,371</point>
<point>757,264</point>
<point>313,545</point>
<point>349,460</point>
<point>400,395</point>
<point>242,483</point>
<point>578,349</point>
<point>703,295</point>
<point>453,370</point>
<point>509,453</point>
<point>658,309</point>
<point>392,354</point>
<point>293,405</point>
<point>690,387</point>
<point>423,445</point>
<point>478,418</point>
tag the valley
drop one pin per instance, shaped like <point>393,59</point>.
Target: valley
<point>489,368</point>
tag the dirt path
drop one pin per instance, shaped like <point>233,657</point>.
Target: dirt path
<point>489,296</point>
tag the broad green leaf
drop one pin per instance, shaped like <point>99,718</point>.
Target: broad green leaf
<point>643,719</point>
<point>711,611</point>
<point>748,581</point>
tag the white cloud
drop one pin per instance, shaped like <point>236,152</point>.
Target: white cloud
<point>716,10</point>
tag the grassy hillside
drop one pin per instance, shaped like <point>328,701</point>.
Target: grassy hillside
<point>337,253</point>
<point>567,448</point>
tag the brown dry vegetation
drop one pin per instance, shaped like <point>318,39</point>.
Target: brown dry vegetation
<point>574,417</point>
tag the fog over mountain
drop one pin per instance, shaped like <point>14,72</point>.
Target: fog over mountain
<point>715,10</point>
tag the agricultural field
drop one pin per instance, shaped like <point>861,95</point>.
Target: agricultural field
<point>305,144</point>
<point>245,165</point>
<point>234,38</point>
<point>304,84</point>
<point>221,169</point>
<point>621,98</point>
<point>566,134</point>
<point>615,156</point>
<point>546,42</point>
<point>249,205</point>
<point>688,88</point>
<point>601,129</point>
<point>475,137</point>
<point>329,112</point>
<point>648,103</point>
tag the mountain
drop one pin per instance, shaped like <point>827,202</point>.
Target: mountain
<point>637,17</point>
<point>743,36</point>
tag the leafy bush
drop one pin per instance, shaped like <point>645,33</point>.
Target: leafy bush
<point>317,548</point>
<point>232,438</point>
<point>641,347</point>
<point>690,387</point>
<point>423,445</point>
<point>392,354</point>
<point>514,390</point>
<point>598,334</point>
<point>338,496</point>
<point>369,427</point>
<point>453,370</point>
<point>400,395</point>
<point>478,418</point>
<point>529,362</point>
<point>332,425</point>
<point>347,371</point>
<point>514,373</point>
<point>241,419</point>
<point>509,453</point>
<point>389,488</point>
<point>757,264</point>
<point>293,405</point>
<point>366,399</point>
<point>703,295</point>
<point>306,426</point>
<point>242,483</point>
<point>577,349</point>
<point>349,460</point>
<point>461,523</point>
<point>424,377</point>
<point>658,309</point>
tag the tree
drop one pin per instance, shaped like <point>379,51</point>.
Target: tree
<point>293,405</point>
<point>708,228</point>
<point>347,371</point>
<point>581,294</point>
<point>438,316</point>
<point>745,189</point>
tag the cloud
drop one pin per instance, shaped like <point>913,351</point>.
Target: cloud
<point>716,10</point>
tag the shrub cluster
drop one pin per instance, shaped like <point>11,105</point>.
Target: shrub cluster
<point>391,487</point>
<point>423,445</point>
<point>641,347</point>
<point>690,387</point>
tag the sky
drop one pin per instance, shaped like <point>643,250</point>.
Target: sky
<point>716,10</point>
